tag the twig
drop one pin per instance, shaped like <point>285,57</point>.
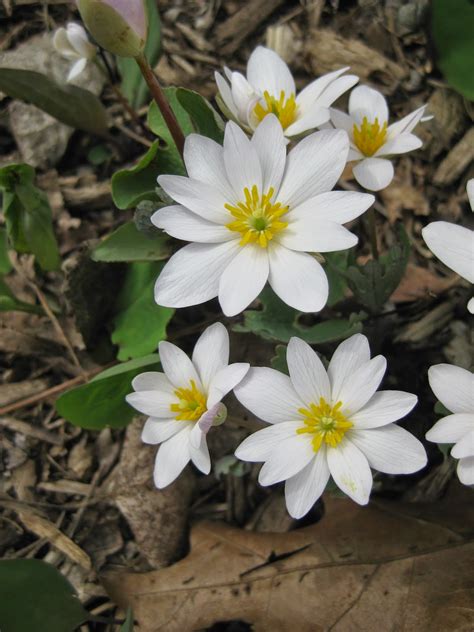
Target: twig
<point>50,392</point>
<point>162,103</point>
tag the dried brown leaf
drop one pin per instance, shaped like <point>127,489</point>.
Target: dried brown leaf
<point>420,282</point>
<point>373,568</point>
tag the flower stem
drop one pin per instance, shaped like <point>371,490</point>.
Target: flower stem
<point>372,233</point>
<point>159,96</point>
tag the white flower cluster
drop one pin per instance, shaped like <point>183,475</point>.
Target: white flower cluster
<point>255,211</point>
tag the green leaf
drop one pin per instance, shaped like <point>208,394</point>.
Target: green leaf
<point>5,263</point>
<point>336,262</point>
<point>374,282</point>
<point>278,321</point>
<point>127,625</point>
<point>28,216</point>
<point>157,124</point>
<point>134,87</point>
<point>278,361</point>
<point>9,303</point>
<point>101,402</point>
<point>35,596</point>
<point>140,324</point>
<point>127,243</point>
<point>452,27</point>
<point>205,119</point>
<point>69,104</point>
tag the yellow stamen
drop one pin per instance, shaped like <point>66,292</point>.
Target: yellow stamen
<point>191,403</point>
<point>325,422</point>
<point>369,137</point>
<point>258,218</point>
<point>284,109</point>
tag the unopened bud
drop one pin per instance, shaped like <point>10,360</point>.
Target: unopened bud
<point>119,26</point>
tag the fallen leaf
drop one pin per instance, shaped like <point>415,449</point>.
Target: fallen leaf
<point>420,283</point>
<point>399,197</point>
<point>372,568</point>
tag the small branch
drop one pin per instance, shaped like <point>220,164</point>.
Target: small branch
<point>160,98</point>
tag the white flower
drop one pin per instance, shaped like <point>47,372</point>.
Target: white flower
<point>72,43</point>
<point>371,136</point>
<point>454,245</point>
<point>454,387</point>
<point>254,213</point>
<point>325,424</point>
<point>270,88</point>
<point>184,401</point>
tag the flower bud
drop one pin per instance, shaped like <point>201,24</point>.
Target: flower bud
<point>119,26</point>
<point>72,43</point>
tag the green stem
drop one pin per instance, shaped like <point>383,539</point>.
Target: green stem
<point>160,99</point>
<point>372,232</point>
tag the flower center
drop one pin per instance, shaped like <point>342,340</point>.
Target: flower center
<point>283,108</point>
<point>191,403</point>
<point>369,136</point>
<point>325,422</point>
<point>258,218</point>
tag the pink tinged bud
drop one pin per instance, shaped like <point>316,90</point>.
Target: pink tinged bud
<point>119,26</point>
<point>215,416</point>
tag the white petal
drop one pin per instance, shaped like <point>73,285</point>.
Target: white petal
<point>270,145</point>
<point>153,403</point>
<point>307,372</point>
<point>243,279</point>
<point>192,274</point>
<point>400,145</point>
<point>308,233</point>
<point>308,121</point>
<point>288,458</point>
<point>211,353</point>
<point>76,69</point>
<point>180,223</point>
<point>362,384</point>
<point>348,357</point>
<point>470,192</point>
<point>350,471</point>
<point>341,120</point>
<point>366,102</point>
<point>453,245</point>
<point>391,449</point>
<point>199,197</point>
<point>260,445</point>
<point>225,380</point>
<point>172,457</point>
<point>243,95</point>
<point>451,428</point>
<point>311,93</point>
<point>159,430</point>
<point>470,305</point>
<point>465,470</point>
<point>453,386</point>
<point>406,124</point>
<point>314,166</point>
<point>200,455</point>
<point>336,89</point>
<point>373,174</point>
<point>269,395</point>
<point>304,489</point>
<point>297,278</point>
<point>334,206</point>
<point>226,94</point>
<point>178,367</point>
<point>267,71</point>
<point>204,162</point>
<point>152,381</point>
<point>384,408</point>
<point>79,40</point>
<point>61,43</point>
<point>241,161</point>
<point>464,447</point>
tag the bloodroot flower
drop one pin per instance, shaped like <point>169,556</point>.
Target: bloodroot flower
<point>326,424</point>
<point>72,43</point>
<point>372,138</point>
<point>270,89</point>
<point>454,387</point>
<point>185,401</point>
<point>254,213</point>
<point>454,245</point>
